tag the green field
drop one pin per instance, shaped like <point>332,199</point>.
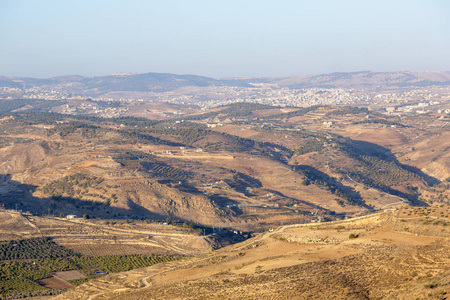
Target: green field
<point>17,278</point>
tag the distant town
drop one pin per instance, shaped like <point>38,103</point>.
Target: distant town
<point>415,101</point>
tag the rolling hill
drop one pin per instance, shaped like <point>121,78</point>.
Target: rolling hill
<point>164,82</point>
<point>263,166</point>
<point>393,255</point>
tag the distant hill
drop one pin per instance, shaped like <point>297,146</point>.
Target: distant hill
<point>148,82</point>
<point>164,82</point>
<point>370,80</point>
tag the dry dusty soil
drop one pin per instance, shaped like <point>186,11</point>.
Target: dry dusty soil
<point>401,254</point>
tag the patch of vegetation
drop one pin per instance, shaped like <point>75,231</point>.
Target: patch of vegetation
<point>350,110</point>
<point>19,288</point>
<point>187,135</point>
<point>234,143</point>
<point>244,109</point>
<point>379,121</point>
<point>165,171</point>
<point>363,178</point>
<point>71,185</point>
<point>123,156</point>
<point>142,136</point>
<point>134,121</point>
<point>35,248</point>
<point>310,145</point>
<point>79,281</point>
<point>314,176</point>
<point>35,105</point>
<point>20,277</point>
<point>296,113</point>
<point>36,117</point>
<point>24,270</point>
<point>374,166</point>
<point>385,172</point>
<point>86,130</point>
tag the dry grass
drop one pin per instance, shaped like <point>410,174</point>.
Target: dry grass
<point>303,262</point>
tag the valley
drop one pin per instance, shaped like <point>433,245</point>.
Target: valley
<point>260,167</point>
<point>211,201</point>
<point>235,150</point>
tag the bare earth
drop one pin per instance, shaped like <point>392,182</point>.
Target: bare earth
<point>69,275</point>
<point>396,255</point>
<point>54,283</point>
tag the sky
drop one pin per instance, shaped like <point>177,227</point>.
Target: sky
<point>222,38</point>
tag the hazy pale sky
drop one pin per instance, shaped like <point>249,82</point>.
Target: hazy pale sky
<point>222,38</point>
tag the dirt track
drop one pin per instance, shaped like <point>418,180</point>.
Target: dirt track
<point>310,261</point>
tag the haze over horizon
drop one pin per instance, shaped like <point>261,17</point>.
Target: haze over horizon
<point>233,39</point>
<point>224,78</point>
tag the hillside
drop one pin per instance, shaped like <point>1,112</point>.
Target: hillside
<point>243,166</point>
<point>137,85</point>
<point>100,196</point>
<point>400,254</point>
<point>96,237</point>
<point>42,256</point>
<point>370,80</point>
<point>93,86</point>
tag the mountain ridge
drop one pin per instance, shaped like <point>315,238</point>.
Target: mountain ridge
<point>164,82</point>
